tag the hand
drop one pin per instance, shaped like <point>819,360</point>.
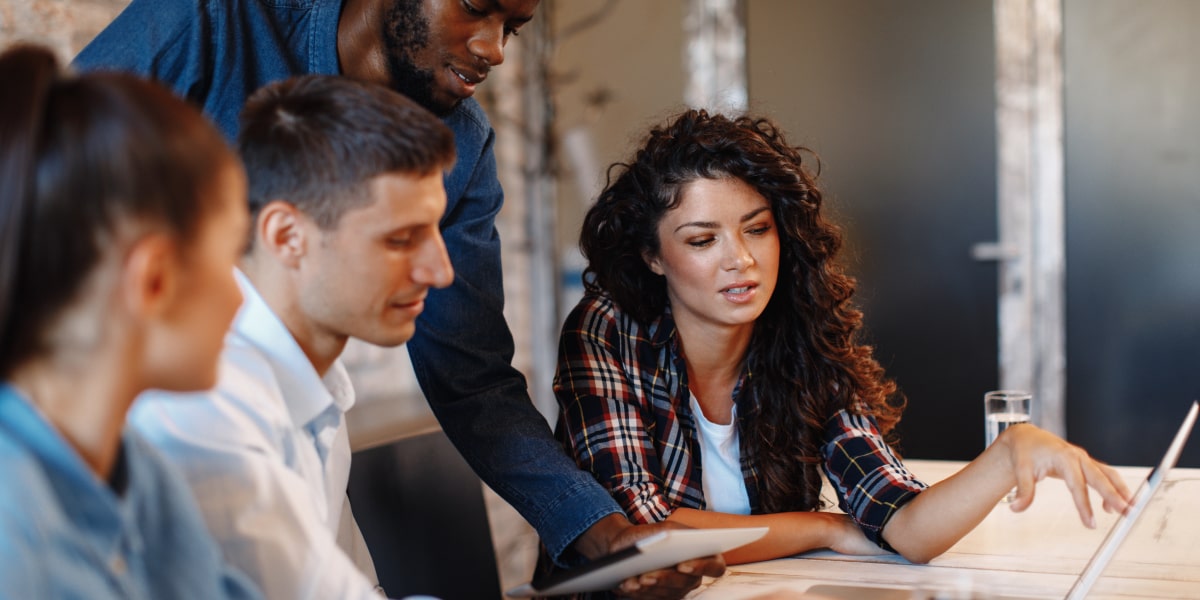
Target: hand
<point>615,532</point>
<point>1036,454</point>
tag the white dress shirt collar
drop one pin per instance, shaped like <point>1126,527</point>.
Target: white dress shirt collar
<point>306,393</point>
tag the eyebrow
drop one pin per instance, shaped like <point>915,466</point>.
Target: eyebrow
<point>714,225</point>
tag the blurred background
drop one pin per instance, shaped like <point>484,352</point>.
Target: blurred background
<point>1019,181</point>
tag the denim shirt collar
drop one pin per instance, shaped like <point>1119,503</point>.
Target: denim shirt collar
<point>92,505</point>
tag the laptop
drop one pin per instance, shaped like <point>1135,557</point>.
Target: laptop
<point>1091,573</point>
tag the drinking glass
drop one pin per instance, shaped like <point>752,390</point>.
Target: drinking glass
<point>1001,410</point>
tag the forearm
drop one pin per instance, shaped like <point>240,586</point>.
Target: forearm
<point>790,533</point>
<point>938,517</point>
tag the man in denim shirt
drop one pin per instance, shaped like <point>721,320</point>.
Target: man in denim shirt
<point>217,53</point>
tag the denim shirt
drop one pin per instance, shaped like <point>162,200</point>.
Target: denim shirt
<point>64,533</point>
<point>216,53</point>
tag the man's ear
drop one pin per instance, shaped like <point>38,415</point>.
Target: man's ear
<point>653,263</point>
<point>282,231</point>
<point>150,275</point>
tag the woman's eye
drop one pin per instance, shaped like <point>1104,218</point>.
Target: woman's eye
<point>759,230</point>
<point>700,243</point>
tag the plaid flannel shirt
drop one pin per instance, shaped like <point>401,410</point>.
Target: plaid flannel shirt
<point>626,419</point>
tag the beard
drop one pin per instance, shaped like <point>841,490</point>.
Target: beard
<point>405,33</point>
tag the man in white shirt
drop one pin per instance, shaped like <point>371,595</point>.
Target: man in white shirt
<point>346,192</point>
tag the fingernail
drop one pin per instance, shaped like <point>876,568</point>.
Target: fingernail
<point>685,568</point>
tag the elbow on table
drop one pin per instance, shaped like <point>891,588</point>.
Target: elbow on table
<point>919,543</point>
<point>919,557</point>
<point>918,552</point>
<point>914,549</point>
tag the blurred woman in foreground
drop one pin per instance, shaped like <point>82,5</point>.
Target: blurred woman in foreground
<point>121,215</point>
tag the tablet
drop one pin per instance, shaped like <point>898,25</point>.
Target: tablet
<point>659,551</point>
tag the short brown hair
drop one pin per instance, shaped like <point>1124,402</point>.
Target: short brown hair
<point>316,140</point>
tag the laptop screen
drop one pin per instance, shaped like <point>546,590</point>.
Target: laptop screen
<point>1100,559</point>
<point>1141,498</point>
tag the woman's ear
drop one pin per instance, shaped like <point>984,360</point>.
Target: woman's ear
<point>652,262</point>
<point>282,231</point>
<point>150,275</point>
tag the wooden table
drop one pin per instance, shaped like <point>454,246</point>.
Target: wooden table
<point>1038,553</point>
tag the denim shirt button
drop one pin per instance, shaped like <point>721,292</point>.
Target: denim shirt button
<point>117,565</point>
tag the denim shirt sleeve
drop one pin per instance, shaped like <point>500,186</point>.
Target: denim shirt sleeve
<point>216,53</point>
<point>462,355</point>
<point>160,39</point>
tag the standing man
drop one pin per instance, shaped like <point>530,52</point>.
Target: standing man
<point>436,51</point>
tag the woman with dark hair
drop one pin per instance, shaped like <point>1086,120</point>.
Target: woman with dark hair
<point>713,368</point>
<point>121,215</point>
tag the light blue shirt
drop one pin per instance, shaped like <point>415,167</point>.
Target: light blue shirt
<point>64,533</point>
<point>267,456</point>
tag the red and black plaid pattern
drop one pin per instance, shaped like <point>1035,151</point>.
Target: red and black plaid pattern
<point>626,419</point>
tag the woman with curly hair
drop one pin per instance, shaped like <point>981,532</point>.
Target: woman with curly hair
<point>713,368</point>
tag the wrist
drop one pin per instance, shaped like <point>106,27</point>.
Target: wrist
<point>597,540</point>
<point>1008,447</point>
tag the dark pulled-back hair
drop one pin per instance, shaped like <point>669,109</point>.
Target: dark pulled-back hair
<point>80,156</point>
<point>316,141</point>
<point>804,360</point>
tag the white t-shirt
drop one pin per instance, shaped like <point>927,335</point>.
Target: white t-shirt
<point>720,463</point>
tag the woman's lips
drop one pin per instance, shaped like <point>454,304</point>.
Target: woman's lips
<point>740,292</point>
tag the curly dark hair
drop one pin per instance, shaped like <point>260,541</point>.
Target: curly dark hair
<point>805,360</point>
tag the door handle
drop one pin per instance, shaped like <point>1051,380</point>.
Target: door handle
<point>997,251</point>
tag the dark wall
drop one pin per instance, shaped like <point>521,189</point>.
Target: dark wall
<point>897,98</point>
<point>1133,224</point>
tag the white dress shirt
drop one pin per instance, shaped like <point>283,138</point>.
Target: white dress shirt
<point>267,456</point>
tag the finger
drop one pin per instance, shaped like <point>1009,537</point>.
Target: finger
<point>671,580</point>
<point>629,586</point>
<point>1026,484</point>
<point>1108,483</point>
<point>665,583</point>
<point>708,566</point>
<point>1119,483</point>
<point>1073,474</point>
<point>646,587</point>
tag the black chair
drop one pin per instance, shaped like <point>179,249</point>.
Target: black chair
<point>422,512</point>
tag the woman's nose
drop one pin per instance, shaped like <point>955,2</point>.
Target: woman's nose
<point>739,257</point>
